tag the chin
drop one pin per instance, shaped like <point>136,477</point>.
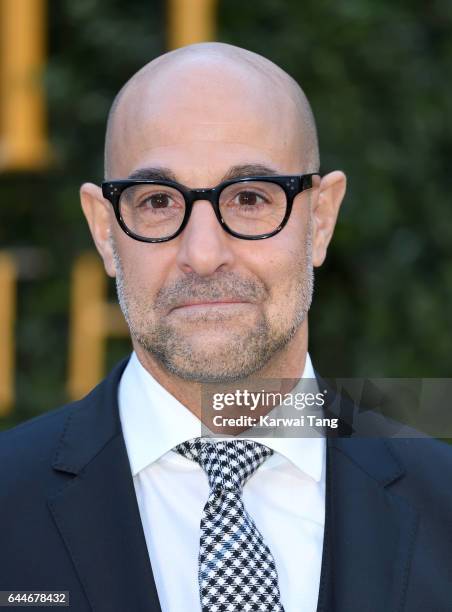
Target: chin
<point>213,361</point>
<point>205,373</point>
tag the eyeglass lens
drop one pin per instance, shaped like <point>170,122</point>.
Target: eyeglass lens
<point>157,211</point>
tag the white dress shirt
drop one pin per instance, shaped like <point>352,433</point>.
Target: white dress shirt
<point>285,496</point>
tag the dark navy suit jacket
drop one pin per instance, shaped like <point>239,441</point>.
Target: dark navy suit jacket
<point>69,519</point>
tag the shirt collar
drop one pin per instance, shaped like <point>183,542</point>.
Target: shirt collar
<point>154,421</point>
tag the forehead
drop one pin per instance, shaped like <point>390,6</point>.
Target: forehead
<point>207,114</point>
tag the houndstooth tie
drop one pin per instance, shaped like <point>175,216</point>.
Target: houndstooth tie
<point>237,572</point>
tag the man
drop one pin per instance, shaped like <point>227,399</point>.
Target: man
<point>116,498</point>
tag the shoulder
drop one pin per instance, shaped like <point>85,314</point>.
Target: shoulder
<point>29,451</point>
<point>428,468</point>
<point>27,448</point>
<point>422,454</point>
<point>39,431</point>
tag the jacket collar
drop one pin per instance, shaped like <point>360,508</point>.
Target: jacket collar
<point>91,424</point>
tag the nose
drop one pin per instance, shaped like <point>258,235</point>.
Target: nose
<point>204,246</point>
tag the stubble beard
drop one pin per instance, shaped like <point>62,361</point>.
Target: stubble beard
<point>243,353</point>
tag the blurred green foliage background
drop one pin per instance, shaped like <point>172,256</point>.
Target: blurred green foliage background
<point>378,75</point>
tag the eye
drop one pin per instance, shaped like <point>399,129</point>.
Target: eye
<point>249,198</point>
<point>157,200</point>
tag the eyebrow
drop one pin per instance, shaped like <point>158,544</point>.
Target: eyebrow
<point>153,174</point>
<point>235,172</point>
<point>247,170</point>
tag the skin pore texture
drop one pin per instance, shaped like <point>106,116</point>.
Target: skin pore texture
<point>207,306</point>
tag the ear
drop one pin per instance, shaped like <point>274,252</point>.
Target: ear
<point>325,210</point>
<point>98,213</point>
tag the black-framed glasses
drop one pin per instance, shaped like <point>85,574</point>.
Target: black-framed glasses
<point>250,208</point>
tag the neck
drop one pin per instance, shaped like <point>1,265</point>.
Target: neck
<point>288,364</point>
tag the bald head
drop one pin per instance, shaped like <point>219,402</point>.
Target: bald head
<point>209,85</point>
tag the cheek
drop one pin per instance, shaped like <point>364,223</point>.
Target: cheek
<point>288,275</point>
<point>280,263</point>
<point>145,270</point>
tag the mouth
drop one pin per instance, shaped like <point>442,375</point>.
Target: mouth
<point>206,304</point>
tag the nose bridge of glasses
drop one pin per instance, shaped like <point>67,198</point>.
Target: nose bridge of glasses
<point>208,194</point>
<point>204,195</point>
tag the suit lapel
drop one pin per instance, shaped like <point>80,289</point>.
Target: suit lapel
<point>96,511</point>
<point>369,531</point>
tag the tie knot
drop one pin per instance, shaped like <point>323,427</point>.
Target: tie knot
<point>227,463</point>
